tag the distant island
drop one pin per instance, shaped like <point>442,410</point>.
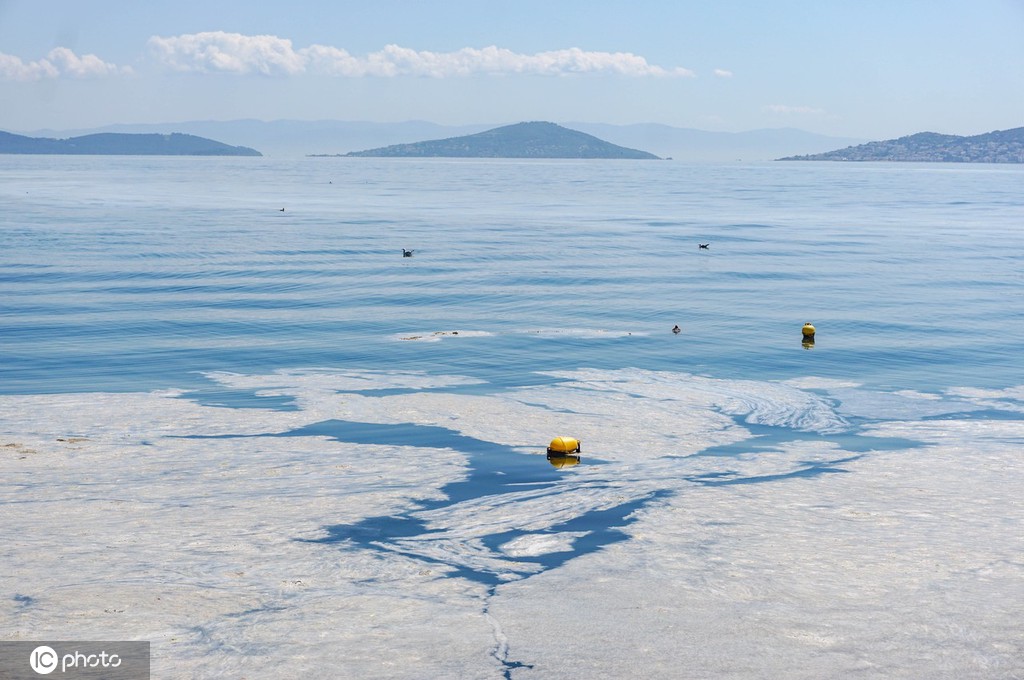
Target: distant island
<point>120,144</point>
<point>522,140</point>
<point>1001,146</point>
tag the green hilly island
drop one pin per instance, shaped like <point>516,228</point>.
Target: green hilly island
<point>121,144</point>
<point>522,140</point>
<point>1001,146</point>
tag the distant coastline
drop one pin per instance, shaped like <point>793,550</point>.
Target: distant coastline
<point>523,140</point>
<point>1001,146</point>
<point>121,144</point>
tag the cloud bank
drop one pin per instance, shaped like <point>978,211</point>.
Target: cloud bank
<point>268,55</point>
<point>220,52</point>
<point>60,62</point>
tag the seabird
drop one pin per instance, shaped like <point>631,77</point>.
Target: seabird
<point>676,329</point>
<point>703,246</point>
<point>406,253</point>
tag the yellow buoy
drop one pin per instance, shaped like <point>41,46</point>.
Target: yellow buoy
<point>808,330</point>
<point>564,445</point>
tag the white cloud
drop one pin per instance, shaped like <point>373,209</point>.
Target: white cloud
<point>798,110</point>
<point>269,55</point>
<point>228,52</point>
<point>722,73</point>
<point>60,62</point>
<point>13,68</point>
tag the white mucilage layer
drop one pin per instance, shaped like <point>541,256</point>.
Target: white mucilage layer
<point>152,517</point>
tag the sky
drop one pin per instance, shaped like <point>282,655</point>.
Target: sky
<point>871,69</point>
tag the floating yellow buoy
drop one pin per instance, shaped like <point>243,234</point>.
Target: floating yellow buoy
<point>808,330</point>
<point>564,445</point>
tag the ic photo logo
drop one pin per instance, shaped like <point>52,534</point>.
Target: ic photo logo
<point>43,660</point>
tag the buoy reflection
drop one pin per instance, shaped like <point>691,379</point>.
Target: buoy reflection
<point>563,460</point>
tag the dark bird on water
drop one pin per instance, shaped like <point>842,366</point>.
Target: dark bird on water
<point>282,209</point>
<point>406,253</point>
<point>703,246</point>
<point>676,329</point>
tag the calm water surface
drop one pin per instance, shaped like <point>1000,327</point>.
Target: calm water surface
<point>141,273</point>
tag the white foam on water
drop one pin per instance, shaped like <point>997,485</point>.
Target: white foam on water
<point>915,394</point>
<point>819,383</point>
<point>437,336</point>
<point>128,531</point>
<point>1010,399</point>
<point>327,380</point>
<point>907,565</point>
<point>759,403</point>
<point>149,516</point>
<point>897,405</point>
<point>903,404</point>
<point>532,545</point>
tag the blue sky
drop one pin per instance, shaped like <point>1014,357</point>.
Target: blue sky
<point>868,69</point>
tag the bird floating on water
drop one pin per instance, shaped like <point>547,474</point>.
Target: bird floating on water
<point>676,329</point>
<point>703,246</point>
<point>406,253</point>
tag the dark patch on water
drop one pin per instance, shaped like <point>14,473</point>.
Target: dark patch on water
<point>225,398</point>
<point>808,469</point>
<point>769,439</point>
<point>862,444</point>
<point>24,601</point>
<point>772,438</point>
<point>989,414</point>
<point>383,391</point>
<point>493,469</point>
<point>510,666</point>
<point>602,527</point>
<point>221,397</point>
<point>265,609</point>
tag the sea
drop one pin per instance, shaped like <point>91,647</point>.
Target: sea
<point>326,458</point>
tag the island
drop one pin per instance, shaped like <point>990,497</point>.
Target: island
<point>522,140</point>
<point>120,144</point>
<point>1001,146</point>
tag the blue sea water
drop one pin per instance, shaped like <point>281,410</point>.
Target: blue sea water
<point>135,273</point>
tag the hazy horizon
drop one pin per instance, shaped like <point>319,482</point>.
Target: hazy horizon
<point>483,125</point>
